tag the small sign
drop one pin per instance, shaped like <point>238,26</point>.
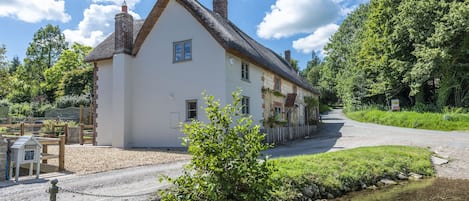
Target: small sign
<point>29,155</point>
<point>395,105</point>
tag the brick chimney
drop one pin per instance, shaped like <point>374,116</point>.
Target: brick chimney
<point>124,31</point>
<point>288,55</point>
<point>221,7</point>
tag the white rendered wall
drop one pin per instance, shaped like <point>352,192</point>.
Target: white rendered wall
<point>121,100</point>
<point>251,88</point>
<point>160,87</point>
<point>104,102</point>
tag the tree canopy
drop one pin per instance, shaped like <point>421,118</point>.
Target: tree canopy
<point>414,50</point>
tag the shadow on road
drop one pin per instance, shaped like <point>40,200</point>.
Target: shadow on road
<point>322,141</point>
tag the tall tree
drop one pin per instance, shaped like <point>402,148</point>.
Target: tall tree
<point>15,63</point>
<point>340,74</point>
<point>70,60</point>
<point>294,64</point>
<point>42,53</point>
<point>315,61</point>
<point>3,58</point>
<point>4,74</point>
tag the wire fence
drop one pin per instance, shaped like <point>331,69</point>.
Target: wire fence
<point>54,190</point>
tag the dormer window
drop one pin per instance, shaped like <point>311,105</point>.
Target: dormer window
<point>244,71</point>
<point>182,51</point>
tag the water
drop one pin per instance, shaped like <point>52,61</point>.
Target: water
<point>429,190</point>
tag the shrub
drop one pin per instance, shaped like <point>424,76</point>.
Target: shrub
<point>21,110</point>
<point>420,107</point>
<point>225,163</point>
<point>4,103</point>
<point>48,124</point>
<point>72,101</point>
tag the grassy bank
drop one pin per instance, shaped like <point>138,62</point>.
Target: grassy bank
<point>335,173</point>
<point>432,121</point>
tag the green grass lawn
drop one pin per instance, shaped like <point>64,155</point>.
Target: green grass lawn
<point>335,173</point>
<point>432,121</point>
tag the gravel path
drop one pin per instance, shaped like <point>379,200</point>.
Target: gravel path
<point>89,159</point>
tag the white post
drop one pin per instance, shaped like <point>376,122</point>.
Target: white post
<point>31,166</point>
<point>17,172</point>
<point>38,168</point>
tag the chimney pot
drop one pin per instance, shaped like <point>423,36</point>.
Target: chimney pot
<point>288,55</point>
<point>221,7</point>
<point>124,7</point>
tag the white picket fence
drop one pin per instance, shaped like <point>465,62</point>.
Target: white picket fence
<point>282,135</point>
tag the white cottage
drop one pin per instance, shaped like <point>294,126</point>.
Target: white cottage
<point>149,74</point>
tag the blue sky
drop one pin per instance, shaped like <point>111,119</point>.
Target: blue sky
<point>302,26</point>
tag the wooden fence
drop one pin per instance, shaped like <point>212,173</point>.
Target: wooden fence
<point>282,135</point>
<point>86,133</point>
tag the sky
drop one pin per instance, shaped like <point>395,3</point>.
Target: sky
<point>302,26</point>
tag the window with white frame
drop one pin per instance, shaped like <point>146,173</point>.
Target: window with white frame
<point>182,51</point>
<point>191,110</point>
<point>244,71</point>
<point>245,105</point>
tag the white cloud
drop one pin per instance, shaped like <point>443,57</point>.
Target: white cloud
<point>288,17</point>
<point>316,40</point>
<point>33,11</point>
<point>97,24</point>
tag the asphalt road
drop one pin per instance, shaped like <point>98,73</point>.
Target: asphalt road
<point>336,133</point>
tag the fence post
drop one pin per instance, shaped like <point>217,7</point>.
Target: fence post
<point>53,129</point>
<point>81,114</point>
<point>22,129</point>
<point>53,190</point>
<point>44,151</point>
<point>62,153</point>
<point>66,133</point>
<point>82,127</point>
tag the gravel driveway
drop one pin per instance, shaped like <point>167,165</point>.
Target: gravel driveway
<point>337,133</point>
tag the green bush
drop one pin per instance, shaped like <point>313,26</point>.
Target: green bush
<point>21,110</point>
<point>4,103</point>
<point>420,107</point>
<point>225,163</point>
<point>72,101</point>
<point>48,124</point>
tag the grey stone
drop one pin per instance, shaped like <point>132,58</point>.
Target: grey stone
<point>415,176</point>
<point>439,161</point>
<point>387,182</point>
<point>373,187</point>
<point>402,176</point>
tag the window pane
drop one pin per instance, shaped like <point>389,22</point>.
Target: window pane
<point>191,110</point>
<point>187,50</point>
<point>177,52</point>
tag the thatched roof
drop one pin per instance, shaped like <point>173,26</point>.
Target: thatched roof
<point>105,50</point>
<point>228,35</point>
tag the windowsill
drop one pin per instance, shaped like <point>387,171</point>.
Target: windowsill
<point>246,80</point>
<point>182,61</point>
